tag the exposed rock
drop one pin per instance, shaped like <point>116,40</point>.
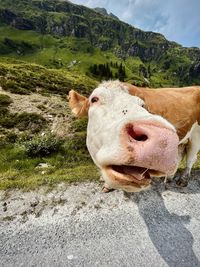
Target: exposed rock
<point>16,21</point>
<point>104,12</point>
<point>43,165</point>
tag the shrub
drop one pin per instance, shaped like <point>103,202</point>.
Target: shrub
<point>2,141</point>
<point>11,137</point>
<point>5,100</point>
<point>7,120</point>
<point>30,121</point>
<point>24,121</point>
<point>7,139</point>
<point>41,146</point>
<point>75,148</point>
<point>14,87</point>
<point>79,125</point>
<point>3,112</point>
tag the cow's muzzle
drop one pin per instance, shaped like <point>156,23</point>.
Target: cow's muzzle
<point>150,149</point>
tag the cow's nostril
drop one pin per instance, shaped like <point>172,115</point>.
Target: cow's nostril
<point>136,133</point>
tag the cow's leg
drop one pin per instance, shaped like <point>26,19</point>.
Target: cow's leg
<point>181,153</point>
<point>192,150</point>
<point>169,179</point>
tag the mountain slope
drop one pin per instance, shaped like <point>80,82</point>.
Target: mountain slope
<point>58,33</point>
<point>67,19</point>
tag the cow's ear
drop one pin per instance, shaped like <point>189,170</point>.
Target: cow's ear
<point>79,104</point>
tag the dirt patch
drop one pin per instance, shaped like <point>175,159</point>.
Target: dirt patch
<point>53,108</point>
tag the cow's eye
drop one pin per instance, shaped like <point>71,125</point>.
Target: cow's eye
<point>94,99</point>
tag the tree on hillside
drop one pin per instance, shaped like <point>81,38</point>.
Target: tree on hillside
<point>121,72</point>
<point>143,71</point>
<point>104,71</point>
<point>101,71</point>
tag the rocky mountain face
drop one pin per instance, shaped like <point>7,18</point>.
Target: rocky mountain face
<point>104,12</point>
<point>67,19</point>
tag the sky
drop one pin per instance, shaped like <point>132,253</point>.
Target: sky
<point>178,20</point>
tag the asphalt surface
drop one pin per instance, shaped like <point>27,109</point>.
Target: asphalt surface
<point>78,225</point>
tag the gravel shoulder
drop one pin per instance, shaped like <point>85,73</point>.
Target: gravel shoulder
<point>78,225</point>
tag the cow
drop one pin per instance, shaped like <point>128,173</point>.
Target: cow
<point>131,132</point>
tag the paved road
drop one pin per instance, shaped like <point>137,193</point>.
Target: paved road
<point>80,226</point>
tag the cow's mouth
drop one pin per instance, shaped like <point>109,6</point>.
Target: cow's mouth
<point>131,175</point>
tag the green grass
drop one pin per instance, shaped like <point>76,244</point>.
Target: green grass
<point>30,36</point>
<point>13,179</point>
<point>68,160</point>
<point>19,171</point>
<point>24,78</point>
<point>195,166</point>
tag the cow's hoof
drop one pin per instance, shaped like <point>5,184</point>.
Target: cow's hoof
<point>182,182</point>
<point>168,179</point>
<point>106,189</point>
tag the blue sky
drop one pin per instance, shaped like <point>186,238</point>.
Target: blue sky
<point>178,20</point>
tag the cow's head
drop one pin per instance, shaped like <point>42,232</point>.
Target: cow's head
<point>125,141</point>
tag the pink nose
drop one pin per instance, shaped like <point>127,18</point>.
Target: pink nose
<point>136,133</point>
<point>154,146</point>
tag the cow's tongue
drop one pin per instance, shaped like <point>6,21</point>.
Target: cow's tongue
<point>138,173</point>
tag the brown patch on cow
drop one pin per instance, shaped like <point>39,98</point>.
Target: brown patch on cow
<point>130,161</point>
<point>130,149</point>
<point>163,144</point>
<point>180,106</point>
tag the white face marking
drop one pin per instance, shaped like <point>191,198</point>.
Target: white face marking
<point>112,108</point>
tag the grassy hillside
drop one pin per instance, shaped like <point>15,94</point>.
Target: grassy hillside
<point>41,143</point>
<point>24,78</point>
<point>68,53</point>
<point>20,170</point>
<point>76,56</point>
<point>49,47</point>
<point>36,126</point>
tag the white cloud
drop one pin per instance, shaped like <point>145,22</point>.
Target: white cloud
<point>178,20</point>
<point>91,3</point>
<point>183,22</point>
